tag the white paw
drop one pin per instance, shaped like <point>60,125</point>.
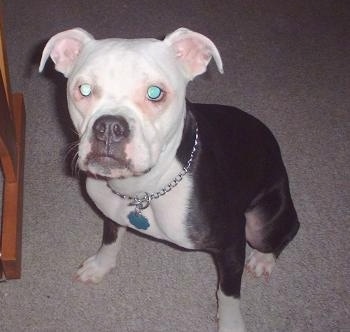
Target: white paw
<point>260,264</point>
<point>237,326</point>
<point>94,269</point>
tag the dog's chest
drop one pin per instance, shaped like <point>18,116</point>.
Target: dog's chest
<point>165,218</point>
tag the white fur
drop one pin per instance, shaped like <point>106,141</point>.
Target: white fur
<point>119,72</point>
<point>152,129</point>
<point>96,267</point>
<point>229,314</point>
<point>260,264</point>
<point>166,214</point>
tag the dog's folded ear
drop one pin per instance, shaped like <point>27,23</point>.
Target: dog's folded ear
<point>194,51</point>
<point>64,49</point>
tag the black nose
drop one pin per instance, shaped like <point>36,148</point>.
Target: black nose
<point>111,129</point>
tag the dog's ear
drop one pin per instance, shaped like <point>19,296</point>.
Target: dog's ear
<point>194,51</point>
<point>64,49</point>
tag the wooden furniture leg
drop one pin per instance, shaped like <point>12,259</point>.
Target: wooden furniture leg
<point>12,123</point>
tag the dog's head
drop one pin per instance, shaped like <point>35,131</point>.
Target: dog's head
<point>126,97</point>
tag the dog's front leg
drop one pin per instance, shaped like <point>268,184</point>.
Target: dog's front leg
<point>230,263</point>
<point>96,267</point>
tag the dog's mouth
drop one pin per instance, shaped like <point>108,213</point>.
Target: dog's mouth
<point>108,160</point>
<point>105,164</point>
<point>109,166</point>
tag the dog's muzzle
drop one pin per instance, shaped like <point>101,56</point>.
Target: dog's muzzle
<point>110,135</point>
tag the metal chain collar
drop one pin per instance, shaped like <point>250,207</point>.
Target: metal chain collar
<point>143,200</point>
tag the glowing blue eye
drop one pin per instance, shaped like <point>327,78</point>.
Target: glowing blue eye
<point>154,93</point>
<point>85,89</point>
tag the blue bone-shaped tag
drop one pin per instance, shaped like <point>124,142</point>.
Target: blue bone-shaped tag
<point>138,220</point>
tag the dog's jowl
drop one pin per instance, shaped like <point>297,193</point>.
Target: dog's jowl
<point>205,177</point>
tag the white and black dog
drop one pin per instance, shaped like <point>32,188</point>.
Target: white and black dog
<point>205,177</point>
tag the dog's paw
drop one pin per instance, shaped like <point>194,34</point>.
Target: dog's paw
<point>260,264</point>
<point>94,269</point>
<point>233,326</point>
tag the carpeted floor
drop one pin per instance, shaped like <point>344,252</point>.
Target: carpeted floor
<point>287,63</point>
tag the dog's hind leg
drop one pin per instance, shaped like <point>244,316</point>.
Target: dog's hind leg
<point>271,223</point>
<point>96,267</point>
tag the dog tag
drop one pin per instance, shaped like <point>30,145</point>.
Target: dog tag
<point>138,220</point>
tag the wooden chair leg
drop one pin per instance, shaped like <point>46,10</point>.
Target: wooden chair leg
<point>11,228</point>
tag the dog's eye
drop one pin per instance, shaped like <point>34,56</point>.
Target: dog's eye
<point>85,89</point>
<point>155,93</point>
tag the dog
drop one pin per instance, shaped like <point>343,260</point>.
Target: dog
<point>204,177</point>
